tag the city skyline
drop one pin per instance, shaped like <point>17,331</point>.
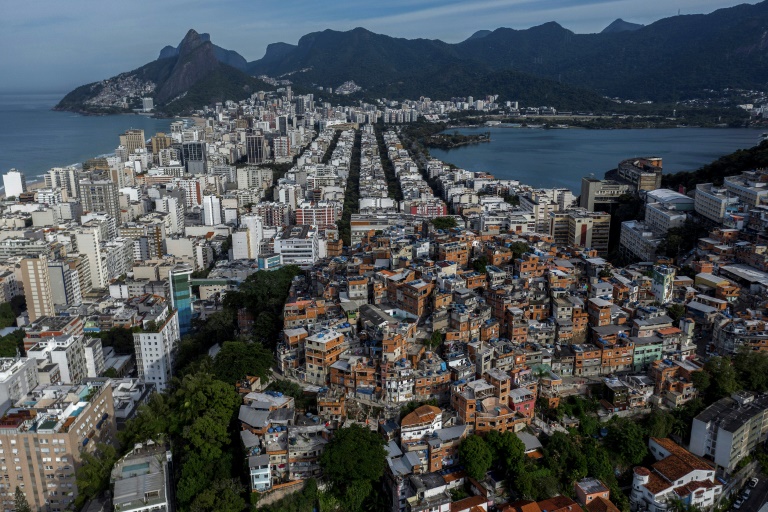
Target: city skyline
<point>99,41</point>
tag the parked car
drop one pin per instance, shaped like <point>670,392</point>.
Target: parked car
<point>738,503</point>
<point>746,492</point>
<point>753,482</point>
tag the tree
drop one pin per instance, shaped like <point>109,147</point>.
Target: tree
<point>93,475</point>
<point>444,223</point>
<point>20,501</point>
<point>507,449</point>
<point>519,248</point>
<point>752,369</point>
<point>480,264</point>
<point>627,439</point>
<point>700,381</point>
<point>236,359</point>
<point>660,423</point>
<point>435,340</point>
<point>221,496</point>
<point>7,316</point>
<point>722,378</point>
<point>475,456</point>
<point>676,312</point>
<point>352,461</point>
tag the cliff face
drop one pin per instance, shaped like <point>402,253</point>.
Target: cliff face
<point>196,59</point>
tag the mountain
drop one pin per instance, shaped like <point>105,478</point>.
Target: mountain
<point>229,57</point>
<point>479,34</point>
<point>619,25</point>
<point>670,60</point>
<point>194,73</point>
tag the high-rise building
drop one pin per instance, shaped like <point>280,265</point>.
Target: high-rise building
<point>99,195</point>
<point>181,296</point>
<point>132,140</point>
<point>156,346</point>
<point>88,242</point>
<point>67,351</point>
<point>255,227</point>
<point>256,148</point>
<point>37,287</point>
<point>46,437</point>
<point>194,157</point>
<point>211,210</point>
<point>15,183</point>
<point>730,429</point>
<point>65,283</point>
<point>589,230</point>
<point>193,192</point>
<point>18,376</point>
<point>64,178</point>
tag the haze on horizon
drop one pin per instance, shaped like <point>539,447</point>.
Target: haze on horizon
<point>53,46</point>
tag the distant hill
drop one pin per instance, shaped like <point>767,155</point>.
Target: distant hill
<point>479,34</point>
<point>669,60</point>
<point>193,74</point>
<point>674,58</point>
<point>619,25</point>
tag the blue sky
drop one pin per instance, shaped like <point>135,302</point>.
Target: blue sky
<point>55,45</point>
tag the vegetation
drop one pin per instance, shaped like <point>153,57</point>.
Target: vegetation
<point>476,456</point>
<point>237,359</point>
<point>12,343</point>
<point>93,475</point>
<point>196,415</point>
<point>393,184</point>
<point>20,501</point>
<point>302,401</point>
<point>222,84</point>
<point>353,461</point>
<point>302,501</point>
<point>329,152</point>
<point>351,193</point>
<point>456,139</point>
<point>444,223</point>
<point>7,315</point>
<point>728,165</point>
<point>480,264</point>
<point>120,339</point>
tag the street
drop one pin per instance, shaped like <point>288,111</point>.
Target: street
<point>757,496</point>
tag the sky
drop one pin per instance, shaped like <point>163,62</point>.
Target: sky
<point>55,45</point>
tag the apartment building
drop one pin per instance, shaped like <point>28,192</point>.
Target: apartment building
<point>730,429</point>
<point>42,440</point>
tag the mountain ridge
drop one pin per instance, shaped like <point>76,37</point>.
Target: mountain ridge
<point>671,59</point>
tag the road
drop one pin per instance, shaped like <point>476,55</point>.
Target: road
<point>757,497</point>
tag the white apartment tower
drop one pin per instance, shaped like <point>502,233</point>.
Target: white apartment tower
<point>156,346</point>
<point>211,210</point>
<point>15,183</point>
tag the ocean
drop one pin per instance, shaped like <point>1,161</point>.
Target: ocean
<point>33,138</point>
<point>561,157</point>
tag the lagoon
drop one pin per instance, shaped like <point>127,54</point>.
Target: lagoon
<point>561,157</point>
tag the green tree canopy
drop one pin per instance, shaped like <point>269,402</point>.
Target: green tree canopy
<point>20,502</point>
<point>676,312</point>
<point>722,378</point>
<point>752,369</point>
<point>352,461</point>
<point>93,474</point>
<point>627,439</point>
<point>475,456</point>
<point>236,359</point>
<point>444,222</point>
